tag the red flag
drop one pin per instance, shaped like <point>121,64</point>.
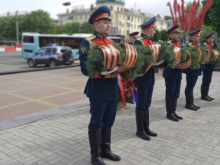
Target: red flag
<point>171,11</point>
<point>201,16</point>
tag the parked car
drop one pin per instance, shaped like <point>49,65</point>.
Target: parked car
<point>52,56</point>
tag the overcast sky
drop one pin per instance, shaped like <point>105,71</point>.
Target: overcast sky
<point>54,7</point>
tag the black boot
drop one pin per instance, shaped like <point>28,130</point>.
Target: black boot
<point>147,124</point>
<point>169,108</point>
<point>140,126</point>
<point>174,101</point>
<point>105,151</point>
<point>208,93</point>
<point>191,94</point>
<point>204,93</point>
<point>189,101</point>
<point>94,141</point>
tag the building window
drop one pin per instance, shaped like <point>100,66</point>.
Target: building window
<point>111,7</point>
<point>117,8</point>
<point>71,18</point>
<point>128,18</point>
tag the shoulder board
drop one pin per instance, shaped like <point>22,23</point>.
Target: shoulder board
<point>189,44</point>
<point>90,38</point>
<point>204,44</point>
<point>141,40</point>
<point>169,42</point>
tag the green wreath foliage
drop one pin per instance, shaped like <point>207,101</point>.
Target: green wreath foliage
<point>144,58</point>
<point>213,57</point>
<point>95,61</point>
<point>184,55</point>
<point>167,55</point>
<point>217,62</point>
<point>204,54</point>
<point>194,57</point>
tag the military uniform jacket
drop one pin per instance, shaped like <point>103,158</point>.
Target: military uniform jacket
<point>148,78</point>
<point>192,72</point>
<point>172,73</point>
<point>207,67</point>
<point>97,88</point>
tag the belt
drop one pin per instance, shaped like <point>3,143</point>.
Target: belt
<point>110,75</point>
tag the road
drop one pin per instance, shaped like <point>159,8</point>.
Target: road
<point>13,61</point>
<point>10,61</point>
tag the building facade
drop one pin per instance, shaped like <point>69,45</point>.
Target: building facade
<point>124,21</point>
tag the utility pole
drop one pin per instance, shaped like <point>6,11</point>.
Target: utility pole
<point>17,30</point>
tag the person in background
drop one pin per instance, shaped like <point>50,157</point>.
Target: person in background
<point>132,37</point>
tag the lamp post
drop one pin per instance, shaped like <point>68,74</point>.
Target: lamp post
<point>17,30</point>
<point>66,4</point>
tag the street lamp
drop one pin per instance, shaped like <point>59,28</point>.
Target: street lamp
<point>66,4</point>
<point>17,30</point>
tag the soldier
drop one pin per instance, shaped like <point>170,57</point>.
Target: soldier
<point>192,75</point>
<point>207,70</point>
<point>173,78</point>
<point>133,37</point>
<point>102,92</point>
<point>145,85</point>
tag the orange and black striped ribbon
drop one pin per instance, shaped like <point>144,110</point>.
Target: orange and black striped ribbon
<point>186,64</point>
<point>111,56</point>
<point>131,58</point>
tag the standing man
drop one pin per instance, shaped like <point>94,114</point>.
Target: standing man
<point>173,78</point>
<point>192,74</point>
<point>145,85</point>
<point>133,37</point>
<point>207,69</point>
<point>102,92</point>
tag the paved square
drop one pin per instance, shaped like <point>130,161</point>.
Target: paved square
<point>62,139</point>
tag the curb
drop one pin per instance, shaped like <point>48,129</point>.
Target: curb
<point>35,70</point>
<point>10,49</point>
<point>7,124</point>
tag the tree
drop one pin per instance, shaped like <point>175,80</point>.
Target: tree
<point>157,36</point>
<point>38,21</point>
<point>86,28</point>
<point>164,36</point>
<point>205,30</point>
<point>212,16</point>
<point>68,28</point>
<point>166,17</point>
<point>8,28</point>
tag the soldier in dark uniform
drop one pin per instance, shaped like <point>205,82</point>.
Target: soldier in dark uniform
<point>192,75</point>
<point>133,37</point>
<point>173,78</point>
<point>145,85</point>
<point>102,92</point>
<point>207,69</point>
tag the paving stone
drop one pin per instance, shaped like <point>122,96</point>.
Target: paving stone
<point>62,139</point>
